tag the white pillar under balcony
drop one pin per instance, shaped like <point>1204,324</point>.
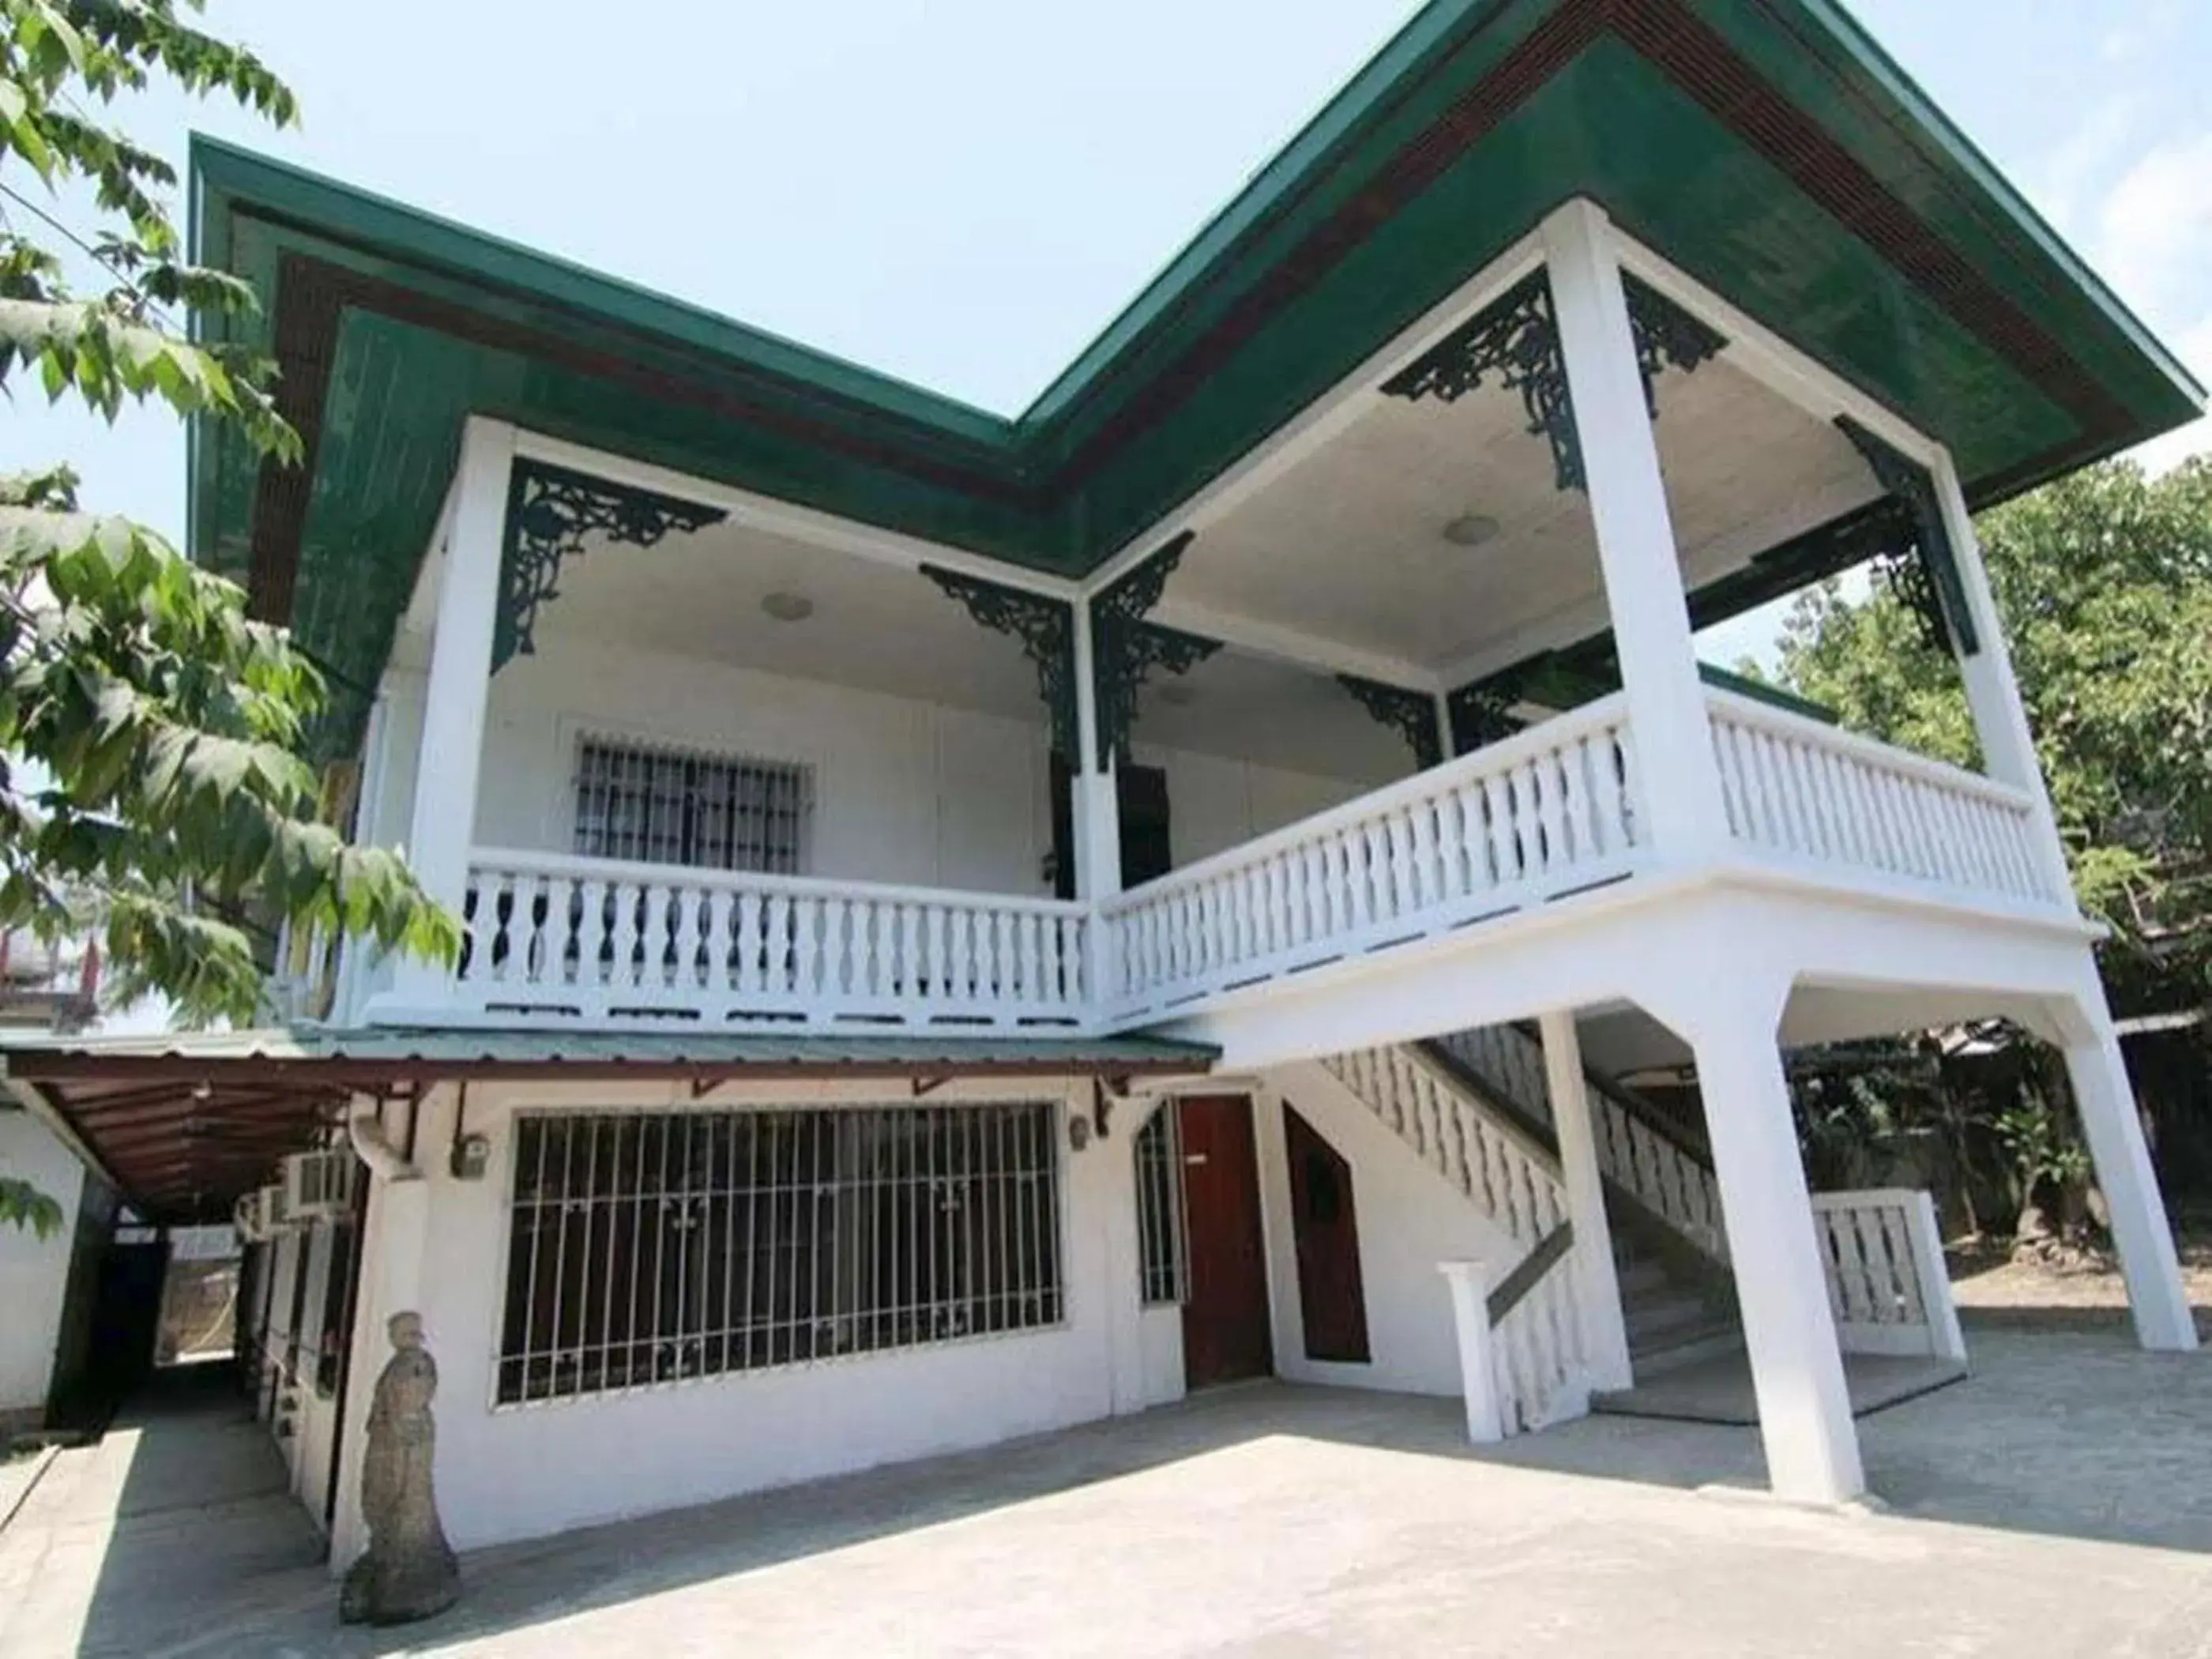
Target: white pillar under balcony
<point>1605,1334</point>
<point>1805,1425</point>
<point>1095,811</point>
<point>2110,1122</point>
<point>443,822</point>
<point>1651,617</point>
<point>1992,693</point>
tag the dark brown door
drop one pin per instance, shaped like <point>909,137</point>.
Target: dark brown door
<point>1141,794</point>
<point>1225,1321</point>
<point>1327,1229</point>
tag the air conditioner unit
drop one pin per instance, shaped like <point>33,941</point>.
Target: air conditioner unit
<point>317,1187</point>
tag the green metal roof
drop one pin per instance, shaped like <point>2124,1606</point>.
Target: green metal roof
<point>1768,147</point>
<point>435,1050</point>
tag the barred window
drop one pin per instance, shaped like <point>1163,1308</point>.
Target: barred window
<point>1164,1272</point>
<point>649,1247</point>
<point>670,806</point>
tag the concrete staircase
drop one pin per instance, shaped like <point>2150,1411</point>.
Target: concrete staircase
<point>1676,1315</point>
<point>1476,1105</point>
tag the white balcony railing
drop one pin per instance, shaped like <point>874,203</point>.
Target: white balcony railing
<point>1549,812</point>
<point>1555,811</point>
<point>1805,792</point>
<point>594,938</point>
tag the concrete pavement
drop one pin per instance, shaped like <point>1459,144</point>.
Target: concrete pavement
<point>2057,1503</point>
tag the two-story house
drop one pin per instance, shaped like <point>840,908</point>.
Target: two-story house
<point>978,924</point>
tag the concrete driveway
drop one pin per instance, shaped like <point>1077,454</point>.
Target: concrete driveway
<point>2058,1503</point>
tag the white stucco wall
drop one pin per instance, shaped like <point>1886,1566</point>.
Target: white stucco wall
<point>508,1472</point>
<point>1410,1218</point>
<point>34,1271</point>
<point>905,790</point>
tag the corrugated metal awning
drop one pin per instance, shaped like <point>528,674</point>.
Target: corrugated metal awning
<point>185,1123</point>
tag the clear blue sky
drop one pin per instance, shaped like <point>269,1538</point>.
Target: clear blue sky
<point>964,193</point>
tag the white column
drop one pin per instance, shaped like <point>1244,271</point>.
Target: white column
<point>1992,692</point>
<point>1478,1375</point>
<point>1605,1327</point>
<point>2106,1102</point>
<point>1796,1367</point>
<point>443,823</point>
<point>1096,810</point>
<point>1651,617</point>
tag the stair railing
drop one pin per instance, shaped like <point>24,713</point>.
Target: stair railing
<point>1639,1148</point>
<point>1522,1363</point>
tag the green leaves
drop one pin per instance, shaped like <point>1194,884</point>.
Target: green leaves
<point>151,787</point>
<point>22,1205</point>
<point>2104,581</point>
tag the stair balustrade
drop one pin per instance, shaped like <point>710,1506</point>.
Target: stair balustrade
<point>1640,1149</point>
<point>1888,1286</point>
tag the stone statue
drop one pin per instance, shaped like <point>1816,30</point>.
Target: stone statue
<point>409,1571</point>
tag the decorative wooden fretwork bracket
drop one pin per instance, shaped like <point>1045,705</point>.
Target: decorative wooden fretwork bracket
<point>1125,648</point>
<point>1516,337</point>
<point>550,510</point>
<point>1920,562</point>
<point>1046,628</point>
<point>1480,715</point>
<point>1412,715</point>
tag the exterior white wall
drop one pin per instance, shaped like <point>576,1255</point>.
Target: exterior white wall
<point>1215,803</point>
<point>1159,1350</point>
<point>34,1272</point>
<point>1410,1218</point>
<point>506,1472</point>
<point>905,792</point>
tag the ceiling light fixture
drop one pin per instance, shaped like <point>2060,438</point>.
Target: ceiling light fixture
<point>788,607</point>
<point>1470,529</point>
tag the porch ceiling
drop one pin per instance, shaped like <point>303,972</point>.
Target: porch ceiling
<point>882,628</point>
<point>1765,146</point>
<point>1348,545</point>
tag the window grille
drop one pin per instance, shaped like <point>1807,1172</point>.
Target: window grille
<point>1163,1268</point>
<point>669,806</point>
<point>649,1247</point>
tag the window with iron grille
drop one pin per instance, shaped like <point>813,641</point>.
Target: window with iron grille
<point>664,806</point>
<point>1162,1268</point>
<point>649,1247</point>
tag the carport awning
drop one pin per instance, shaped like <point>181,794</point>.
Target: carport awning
<point>184,1123</point>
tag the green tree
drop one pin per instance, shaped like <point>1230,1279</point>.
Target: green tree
<point>153,788</point>
<point>2104,581</point>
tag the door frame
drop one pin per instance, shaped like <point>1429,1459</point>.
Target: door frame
<point>1263,1236</point>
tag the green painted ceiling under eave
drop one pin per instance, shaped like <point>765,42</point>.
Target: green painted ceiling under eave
<point>1045,491</point>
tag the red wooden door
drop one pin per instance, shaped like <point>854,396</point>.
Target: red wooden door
<point>1327,1229</point>
<point>1225,1321</point>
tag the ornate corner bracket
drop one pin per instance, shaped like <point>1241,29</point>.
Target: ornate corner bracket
<point>1412,715</point>
<point>1480,715</point>
<point>1921,563</point>
<point>1667,337</point>
<point>1125,648</point>
<point>550,510</point>
<point>1516,337</point>
<point>1046,628</point>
